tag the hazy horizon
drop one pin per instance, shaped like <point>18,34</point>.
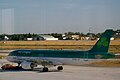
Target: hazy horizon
<point>50,16</point>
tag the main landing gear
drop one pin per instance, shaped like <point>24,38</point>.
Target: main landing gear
<point>45,69</point>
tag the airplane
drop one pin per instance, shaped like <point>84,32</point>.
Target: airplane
<point>29,59</point>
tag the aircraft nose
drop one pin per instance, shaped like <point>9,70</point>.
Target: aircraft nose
<point>9,58</point>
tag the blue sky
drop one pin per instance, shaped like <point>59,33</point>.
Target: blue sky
<point>47,16</point>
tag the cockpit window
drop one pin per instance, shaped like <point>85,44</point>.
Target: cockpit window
<point>20,53</point>
<point>13,53</point>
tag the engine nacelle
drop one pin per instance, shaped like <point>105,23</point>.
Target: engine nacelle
<point>28,65</point>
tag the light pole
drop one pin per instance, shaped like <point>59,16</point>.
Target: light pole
<point>90,35</point>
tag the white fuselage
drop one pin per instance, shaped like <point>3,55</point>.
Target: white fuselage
<point>56,61</point>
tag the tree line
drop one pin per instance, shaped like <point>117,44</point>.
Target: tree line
<point>18,37</point>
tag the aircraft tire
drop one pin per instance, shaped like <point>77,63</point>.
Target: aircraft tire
<point>45,69</point>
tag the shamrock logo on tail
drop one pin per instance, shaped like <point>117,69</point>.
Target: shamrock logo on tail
<point>103,42</point>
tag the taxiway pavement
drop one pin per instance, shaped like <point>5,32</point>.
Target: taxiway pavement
<point>69,73</point>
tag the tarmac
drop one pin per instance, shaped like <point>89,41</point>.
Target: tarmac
<point>69,73</point>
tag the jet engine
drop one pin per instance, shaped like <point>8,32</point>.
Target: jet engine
<point>28,65</point>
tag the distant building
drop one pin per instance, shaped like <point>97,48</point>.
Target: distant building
<point>84,38</point>
<point>63,35</point>
<point>117,35</point>
<point>6,38</point>
<point>48,37</point>
<point>44,37</point>
<point>75,37</point>
<point>29,39</point>
<point>38,38</point>
<point>112,38</point>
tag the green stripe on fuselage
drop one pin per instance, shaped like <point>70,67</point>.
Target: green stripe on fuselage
<point>60,54</point>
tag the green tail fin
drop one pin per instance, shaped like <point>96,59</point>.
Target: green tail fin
<point>102,44</point>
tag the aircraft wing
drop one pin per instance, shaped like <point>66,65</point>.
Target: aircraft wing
<point>44,62</point>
